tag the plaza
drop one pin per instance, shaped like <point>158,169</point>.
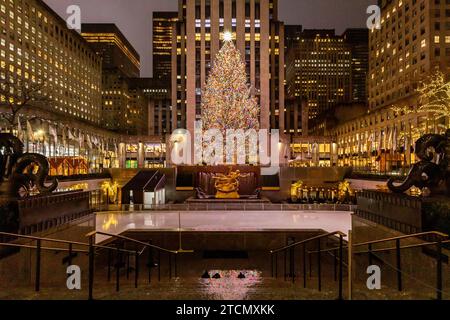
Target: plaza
<point>259,159</point>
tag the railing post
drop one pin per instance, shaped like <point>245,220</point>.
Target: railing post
<point>319,266</point>
<point>150,263</point>
<point>285,265</point>
<point>91,267</point>
<point>118,261</point>
<point>335,261</point>
<point>69,261</point>
<point>292,264</point>
<point>439,270</point>
<point>109,264</point>
<point>128,266</point>
<point>341,262</point>
<point>310,264</point>
<point>399,265</point>
<point>350,265</point>
<point>159,265</point>
<point>136,269</point>
<point>304,265</point>
<point>37,283</point>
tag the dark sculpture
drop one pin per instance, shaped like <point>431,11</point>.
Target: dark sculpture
<point>432,170</point>
<point>22,173</point>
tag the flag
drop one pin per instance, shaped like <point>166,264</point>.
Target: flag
<point>53,133</point>
<point>19,130</point>
<point>70,134</point>
<point>395,139</point>
<point>88,141</point>
<point>81,139</point>
<point>390,136</point>
<point>64,137</point>
<point>30,131</point>
<point>380,141</point>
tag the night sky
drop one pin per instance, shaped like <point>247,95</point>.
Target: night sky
<point>134,17</point>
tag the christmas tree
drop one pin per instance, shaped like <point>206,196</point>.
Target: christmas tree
<point>227,102</point>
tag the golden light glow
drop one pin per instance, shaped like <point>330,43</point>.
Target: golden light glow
<point>227,36</point>
<point>110,189</point>
<point>109,222</point>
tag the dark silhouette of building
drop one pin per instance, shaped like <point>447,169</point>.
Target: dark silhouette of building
<point>358,40</point>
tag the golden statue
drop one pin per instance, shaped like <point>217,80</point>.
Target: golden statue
<point>228,185</point>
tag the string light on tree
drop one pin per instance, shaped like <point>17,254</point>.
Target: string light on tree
<point>227,102</point>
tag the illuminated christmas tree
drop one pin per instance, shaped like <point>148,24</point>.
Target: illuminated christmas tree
<point>227,102</point>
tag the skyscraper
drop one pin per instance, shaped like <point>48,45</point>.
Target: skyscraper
<point>37,47</point>
<point>412,42</point>
<point>319,69</point>
<point>163,23</point>
<point>358,40</point>
<point>123,108</point>
<point>158,105</point>
<point>114,48</point>
<point>198,37</point>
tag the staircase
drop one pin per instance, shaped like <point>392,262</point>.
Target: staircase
<point>319,264</point>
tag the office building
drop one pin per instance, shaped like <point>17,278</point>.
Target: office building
<point>198,37</point>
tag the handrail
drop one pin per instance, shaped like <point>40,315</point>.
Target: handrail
<point>228,207</point>
<point>404,247</point>
<point>415,235</point>
<point>91,252</point>
<point>290,250</point>
<point>440,234</point>
<point>42,239</point>
<point>338,233</point>
<point>16,245</point>
<point>146,245</point>
<point>61,241</point>
<point>398,248</point>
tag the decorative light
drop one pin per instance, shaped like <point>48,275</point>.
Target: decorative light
<point>227,36</point>
<point>227,102</point>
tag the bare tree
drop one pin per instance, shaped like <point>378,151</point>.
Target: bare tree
<point>18,95</point>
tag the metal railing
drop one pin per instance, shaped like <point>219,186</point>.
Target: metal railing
<point>137,253</point>
<point>228,207</point>
<point>290,249</point>
<point>398,258</point>
<point>92,250</point>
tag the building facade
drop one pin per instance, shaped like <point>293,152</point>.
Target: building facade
<point>358,40</point>
<point>163,23</point>
<point>319,70</point>
<point>37,47</point>
<point>124,109</point>
<point>412,44</point>
<point>159,111</point>
<point>197,39</point>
